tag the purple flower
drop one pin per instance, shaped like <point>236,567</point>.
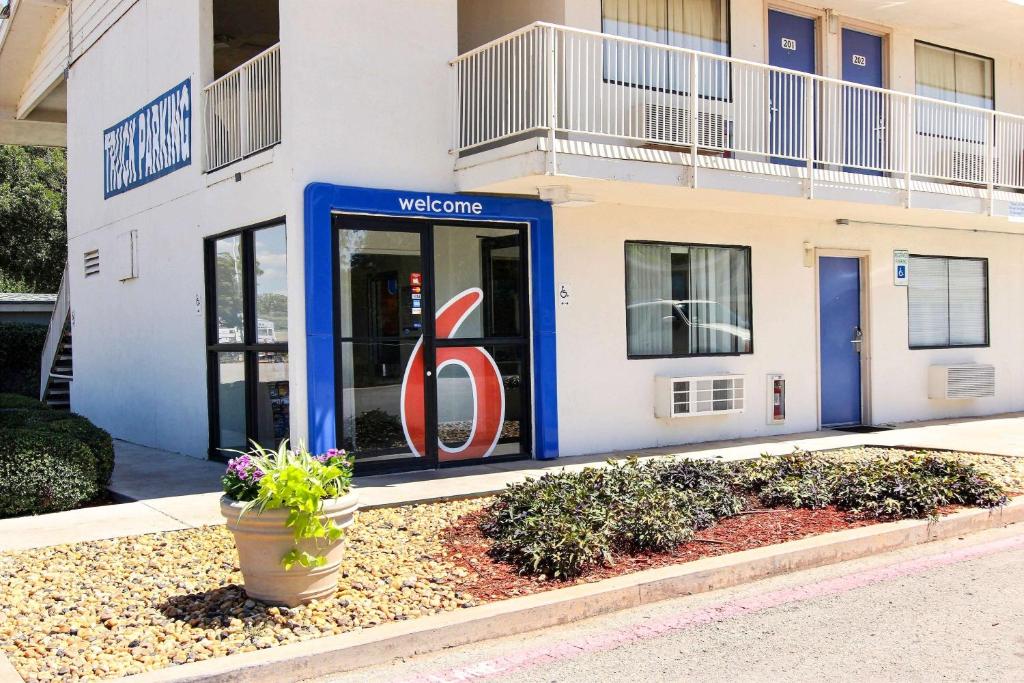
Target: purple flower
<point>243,468</point>
<point>331,453</point>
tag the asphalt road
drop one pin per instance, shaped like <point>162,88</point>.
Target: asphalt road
<point>952,610</point>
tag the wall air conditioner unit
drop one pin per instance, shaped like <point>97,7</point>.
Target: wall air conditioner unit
<point>668,125</point>
<point>695,396</point>
<point>971,380</point>
<point>969,167</point>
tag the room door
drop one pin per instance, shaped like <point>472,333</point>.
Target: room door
<point>841,339</point>
<point>791,45</point>
<point>433,352</point>
<point>865,127</point>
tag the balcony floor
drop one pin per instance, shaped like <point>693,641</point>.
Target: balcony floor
<point>520,167</point>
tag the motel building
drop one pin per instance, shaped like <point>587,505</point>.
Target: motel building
<point>452,231</point>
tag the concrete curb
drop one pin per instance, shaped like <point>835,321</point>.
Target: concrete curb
<point>349,651</point>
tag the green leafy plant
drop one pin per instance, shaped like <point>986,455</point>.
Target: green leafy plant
<point>798,479</point>
<point>913,486</point>
<point>564,523</point>
<point>42,471</point>
<point>299,482</point>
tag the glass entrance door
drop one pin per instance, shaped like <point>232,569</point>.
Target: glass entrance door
<point>433,357</point>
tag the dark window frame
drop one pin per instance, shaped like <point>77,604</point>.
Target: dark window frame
<point>249,348</point>
<point>988,330</point>
<point>750,298</point>
<point>424,226</point>
<point>947,136</point>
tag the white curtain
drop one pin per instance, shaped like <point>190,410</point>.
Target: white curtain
<point>694,24</point>
<point>719,290</point>
<point>648,299</point>
<point>936,72</point>
<point>705,311</point>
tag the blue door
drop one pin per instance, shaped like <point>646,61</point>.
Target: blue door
<point>865,139</point>
<point>839,299</point>
<point>791,45</point>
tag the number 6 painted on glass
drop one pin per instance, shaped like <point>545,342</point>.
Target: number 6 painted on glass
<point>484,378</point>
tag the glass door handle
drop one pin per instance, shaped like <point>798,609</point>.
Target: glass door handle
<point>858,339</point>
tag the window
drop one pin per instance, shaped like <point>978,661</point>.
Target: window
<point>687,300</point>
<point>948,300</point>
<point>954,76</point>
<point>701,25</point>
<point>247,338</point>
<point>960,78</point>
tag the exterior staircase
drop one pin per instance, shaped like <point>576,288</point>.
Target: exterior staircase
<point>55,369</point>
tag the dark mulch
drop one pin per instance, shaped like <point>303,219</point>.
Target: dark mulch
<point>489,579</point>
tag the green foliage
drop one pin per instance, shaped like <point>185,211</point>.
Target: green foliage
<point>884,487</point>
<point>27,413</point>
<point>20,402</point>
<point>33,207</point>
<point>799,479</point>
<point>300,482</point>
<point>567,522</point>
<point>915,486</point>
<point>42,471</point>
<point>97,440</point>
<point>21,347</point>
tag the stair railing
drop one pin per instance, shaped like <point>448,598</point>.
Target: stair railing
<point>59,318</point>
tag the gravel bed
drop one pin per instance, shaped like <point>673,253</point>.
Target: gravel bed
<point>123,606</point>
<point>128,605</point>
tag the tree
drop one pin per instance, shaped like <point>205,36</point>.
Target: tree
<point>33,218</point>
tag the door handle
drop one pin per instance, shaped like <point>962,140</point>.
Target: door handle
<point>858,339</point>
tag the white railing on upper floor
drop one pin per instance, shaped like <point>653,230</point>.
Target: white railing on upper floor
<point>546,80</point>
<point>55,332</point>
<point>242,110</point>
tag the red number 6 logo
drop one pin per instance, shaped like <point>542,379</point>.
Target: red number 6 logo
<point>484,378</point>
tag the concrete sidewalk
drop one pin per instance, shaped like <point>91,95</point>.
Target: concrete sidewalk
<point>173,491</point>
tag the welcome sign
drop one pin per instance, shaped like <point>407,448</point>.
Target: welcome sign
<point>152,142</point>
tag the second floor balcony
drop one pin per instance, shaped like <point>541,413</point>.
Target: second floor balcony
<point>574,95</point>
<point>242,110</point>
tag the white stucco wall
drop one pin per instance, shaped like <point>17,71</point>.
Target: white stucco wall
<point>139,345</point>
<point>606,401</point>
<point>366,101</point>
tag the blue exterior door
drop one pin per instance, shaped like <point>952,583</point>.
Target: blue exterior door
<point>839,299</point>
<point>865,122</point>
<point>791,45</point>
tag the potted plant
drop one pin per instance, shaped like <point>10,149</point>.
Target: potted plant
<point>286,510</point>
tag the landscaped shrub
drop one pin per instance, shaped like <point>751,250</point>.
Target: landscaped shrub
<point>884,487</point>
<point>799,479</point>
<point>914,486</point>
<point>21,348</point>
<point>711,486</point>
<point>20,402</point>
<point>564,523</point>
<point>37,416</point>
<point>43,471</point>
<point>97,440</point>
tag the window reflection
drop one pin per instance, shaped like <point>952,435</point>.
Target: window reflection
<point>228,287</point>
<point>271,257</point>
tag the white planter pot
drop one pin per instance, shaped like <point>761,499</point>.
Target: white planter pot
<point>263,539</point>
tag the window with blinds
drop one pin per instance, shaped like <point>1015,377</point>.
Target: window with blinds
<point>948,299</point>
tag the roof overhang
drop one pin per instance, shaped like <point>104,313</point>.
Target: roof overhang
<point>33,106</point>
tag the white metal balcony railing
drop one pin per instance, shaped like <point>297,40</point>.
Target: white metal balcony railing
<point>242,110</point>
<point>553,80</point>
